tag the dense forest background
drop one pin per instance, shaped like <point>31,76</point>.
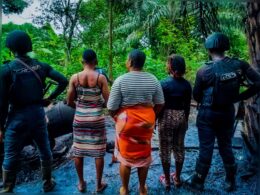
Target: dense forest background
<point>113,27</point>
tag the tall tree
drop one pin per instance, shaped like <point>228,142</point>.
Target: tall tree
<point>252,118</point>
<point>110,13</point>
<point>14,6</point>
<point>115,6</point>
<point>10,7</point>
<point>0,31</point>
<point>203,14</point>
<point>64,15</point>
<point>196,18</point>
<point>142,17</point>
<point>253,32</point>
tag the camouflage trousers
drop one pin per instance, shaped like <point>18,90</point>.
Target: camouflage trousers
<point>172,126</point>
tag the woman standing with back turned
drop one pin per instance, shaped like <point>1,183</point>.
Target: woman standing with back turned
<point>136,97</point>
<point>173,121</point>
<point>86,88</point>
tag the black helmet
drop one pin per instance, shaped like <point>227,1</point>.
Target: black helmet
<point>19,41</point>
<point>217,41</point>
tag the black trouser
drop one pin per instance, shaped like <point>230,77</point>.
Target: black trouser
<point>215,124</point>
<point>23,124</point>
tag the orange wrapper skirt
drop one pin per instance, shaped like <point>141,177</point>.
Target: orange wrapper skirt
<point>134,129</point>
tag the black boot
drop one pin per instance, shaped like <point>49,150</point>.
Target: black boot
<point>48,182</point>
<point>9,178</point>
<point>196,181</point>
<point>230,182</point>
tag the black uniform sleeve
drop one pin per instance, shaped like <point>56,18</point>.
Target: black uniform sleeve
<point>59,78</point>
<point>4,90</point>
<point>254,77</point>
<point>198,87</point>
<point>187,101</point>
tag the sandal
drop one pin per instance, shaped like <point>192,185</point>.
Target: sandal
<point>102,188</point>
<point>177,183</point>
<point>145,192</point>
<point>122,191</point>
<point>163,182</point>
<point>82,188</point>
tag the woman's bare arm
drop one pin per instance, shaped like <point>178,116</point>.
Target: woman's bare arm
<point>104,88</point>
<point>157,109</point>
<point>112,113</point>
<point>71,94</point>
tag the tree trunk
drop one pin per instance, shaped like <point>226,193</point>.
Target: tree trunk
<point>68,55</point>
<point>253,33</point>
<point>71,18</point>
<point>74,21</point>
<point>1,3</point>
<point>110,68</point>
<point>252,109</point>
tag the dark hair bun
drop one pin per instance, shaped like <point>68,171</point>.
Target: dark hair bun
<point>89,55</point>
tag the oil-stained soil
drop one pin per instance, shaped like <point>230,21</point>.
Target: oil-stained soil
<point>29,177</point>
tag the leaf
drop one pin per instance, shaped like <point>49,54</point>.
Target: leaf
<point>45,50</point>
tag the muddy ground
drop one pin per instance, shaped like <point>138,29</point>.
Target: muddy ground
<point>65,174</point>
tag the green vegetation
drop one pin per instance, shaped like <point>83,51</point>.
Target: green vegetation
<point>159,27</point>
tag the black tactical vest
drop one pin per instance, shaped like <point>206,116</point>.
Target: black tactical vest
<point>225,87</point>
<point>25,89</point>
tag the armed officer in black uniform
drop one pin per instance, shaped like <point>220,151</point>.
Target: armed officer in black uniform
<point>22,115</point>
<point>216,88</point>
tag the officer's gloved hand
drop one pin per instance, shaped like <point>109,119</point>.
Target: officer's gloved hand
<point>46,102</point>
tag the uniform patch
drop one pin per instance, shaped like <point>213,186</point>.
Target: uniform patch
<point>228,76</point>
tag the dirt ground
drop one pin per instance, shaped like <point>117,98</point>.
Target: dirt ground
<point>66,178</point>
